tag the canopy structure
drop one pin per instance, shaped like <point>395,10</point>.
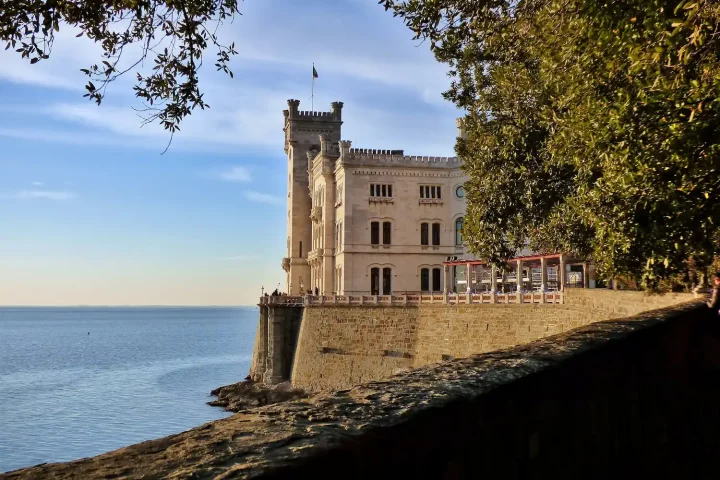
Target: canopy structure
<point>537,272</point>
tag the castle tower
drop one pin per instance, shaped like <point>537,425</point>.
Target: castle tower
<point>302,135</point>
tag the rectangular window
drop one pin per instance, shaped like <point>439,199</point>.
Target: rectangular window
<point>436,234</point>
<point>300,249</point>
<point>375,281</point>
<point>423,234</point>
<point>430,191</point>
<point>381,190</point>
<point>387,274</point>
<point>375,233</point>
<point>424,280</point>
<point>387,226</point>
<point>436,280</point>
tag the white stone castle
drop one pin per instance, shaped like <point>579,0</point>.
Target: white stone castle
<point>365,221</point>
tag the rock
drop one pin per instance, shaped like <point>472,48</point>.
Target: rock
<point>248,394</point>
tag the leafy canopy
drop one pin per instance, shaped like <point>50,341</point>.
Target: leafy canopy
<point>592,127</point>
<point>175,32</point>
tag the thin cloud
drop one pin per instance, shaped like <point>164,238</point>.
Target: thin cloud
<point>44,194</point>
<point>38,184</point>
<point>264,198</point>
<point>235,174</point>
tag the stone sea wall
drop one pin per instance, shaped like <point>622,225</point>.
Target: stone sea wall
<point>342,346</point>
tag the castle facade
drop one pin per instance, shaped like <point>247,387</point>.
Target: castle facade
<point>363,221</point>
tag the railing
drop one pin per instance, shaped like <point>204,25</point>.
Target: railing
<point>416,299</point>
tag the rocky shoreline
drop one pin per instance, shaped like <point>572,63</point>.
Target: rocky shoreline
<point>248,394</point>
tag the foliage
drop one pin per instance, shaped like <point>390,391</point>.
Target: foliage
<point>592,127</point>
<point>175,32</point>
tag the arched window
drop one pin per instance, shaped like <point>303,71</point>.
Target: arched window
<point>424,234</point>
<point>436,279</point>
<point>387,227</point>
<point>374,281</point>
<point>436,234</point>
<point>424,279</point>
<point>458,231</point>
<point>375,233</point>
<point>387,275</point>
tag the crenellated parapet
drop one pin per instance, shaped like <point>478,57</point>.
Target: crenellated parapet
<point>384,158</point>
<point>372,151</point>
<point>294,113</point>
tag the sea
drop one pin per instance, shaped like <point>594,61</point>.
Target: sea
<point>77,382</point>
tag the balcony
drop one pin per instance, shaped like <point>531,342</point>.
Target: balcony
<point>381,200</point>
<point>430,201</point>
<point>316,214</point>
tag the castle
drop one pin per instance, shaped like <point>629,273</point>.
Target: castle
<point>363,221</point>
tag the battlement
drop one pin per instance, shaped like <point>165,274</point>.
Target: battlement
<point>306,113</point>
<point>294,113</point>
<point>374,157</point>
<point>368,151</point>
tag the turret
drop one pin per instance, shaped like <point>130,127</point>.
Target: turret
<point>337,110</point>
<point>461,128</point>
<point>293,107</point>
<point>344,147</point>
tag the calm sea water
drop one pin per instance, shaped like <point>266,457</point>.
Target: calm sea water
<point>76,382</point>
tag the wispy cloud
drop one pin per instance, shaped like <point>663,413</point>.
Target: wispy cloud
<point>44,194</point>
<point>38,184</point>
<point>264,198</point>
<point>235,174</point>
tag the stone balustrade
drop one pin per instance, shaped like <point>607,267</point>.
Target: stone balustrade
<point>416,299</point>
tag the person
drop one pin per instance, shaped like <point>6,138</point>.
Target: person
<point>714,302</point>
<point>317,291</point>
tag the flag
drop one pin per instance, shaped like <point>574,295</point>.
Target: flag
<point>315,75</point>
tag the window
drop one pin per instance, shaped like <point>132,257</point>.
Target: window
<point>424,279</point>
<point>430,191</point>
<point>436,234</point>
<point>387,226</point>
<point>375,233</point>
<point>424,234</point>
<point>458,231</point>
<point>375,281</point>
<point>300,249</point>
<point>436,280</point>
<point>460,191</point>
<point>381,190</point>
<point>387,274</point>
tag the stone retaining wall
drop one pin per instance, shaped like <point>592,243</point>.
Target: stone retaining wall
<point>342,346</point>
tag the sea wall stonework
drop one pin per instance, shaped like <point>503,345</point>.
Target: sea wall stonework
<point>342,346</point>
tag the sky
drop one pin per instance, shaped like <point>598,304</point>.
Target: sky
<point>93,213</point>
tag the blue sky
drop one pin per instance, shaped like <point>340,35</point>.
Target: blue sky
<point>91,213</point>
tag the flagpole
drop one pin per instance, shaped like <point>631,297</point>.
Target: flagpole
<point>312,95</point>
